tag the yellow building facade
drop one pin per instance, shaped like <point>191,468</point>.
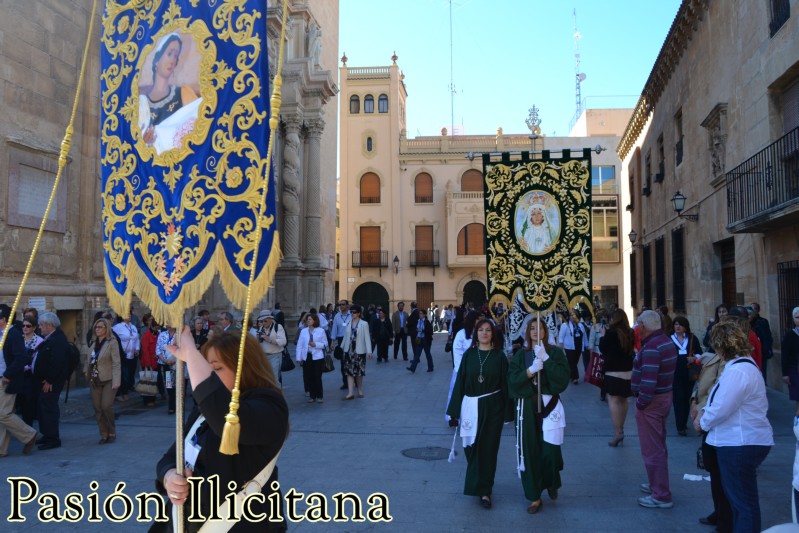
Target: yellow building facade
<point>411,210</point>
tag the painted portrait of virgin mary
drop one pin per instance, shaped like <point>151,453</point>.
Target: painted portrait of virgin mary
<point>168,105</point>
<point>537,222</point>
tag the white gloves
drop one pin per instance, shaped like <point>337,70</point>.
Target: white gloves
<point>540,352</point>
<point>538,364</point>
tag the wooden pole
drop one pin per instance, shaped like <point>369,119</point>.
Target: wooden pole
<point>538,325</point>
<point>179,460</point>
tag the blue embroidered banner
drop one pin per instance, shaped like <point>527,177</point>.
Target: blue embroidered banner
<point>185,130</point>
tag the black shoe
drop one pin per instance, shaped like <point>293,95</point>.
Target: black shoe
<point>429,369</point>
<point>709,520</point>
<point>682,432</point>
<point>343,387</point>
<point>411,370</point>
<point>40,440</point>
<point>49,445</point>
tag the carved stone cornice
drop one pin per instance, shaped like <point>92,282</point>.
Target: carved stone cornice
<point>315,127</point>
<point>690,14</point>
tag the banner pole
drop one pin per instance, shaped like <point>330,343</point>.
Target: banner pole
<point>538,325</point>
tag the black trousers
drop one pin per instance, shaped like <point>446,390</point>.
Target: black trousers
<point>312,377</point>
<point>49,415</point>
<point>401,337</point>
<point>128,380</point>
<point>339,342</point>
<point>573,356</point>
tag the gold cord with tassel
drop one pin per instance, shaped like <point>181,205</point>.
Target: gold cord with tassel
<point>232,429</point>
<point>62,162</point>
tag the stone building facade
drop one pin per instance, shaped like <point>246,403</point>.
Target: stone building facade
<point>412,210</point>
<point>717,121</point>
<point>41,45</point>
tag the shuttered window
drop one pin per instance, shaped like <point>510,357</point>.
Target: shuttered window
<point>646,279</point>
<point>471,240</point>
<point>370,239</point>
<point>678,270</point>
<point>370,188</point>
<point>660,272</point>
<point>633,280</point>
<point>472,180</point>
<point>424,237</point>
<point>423,188</point>
<point>790,108</point>
<point>355,104</point>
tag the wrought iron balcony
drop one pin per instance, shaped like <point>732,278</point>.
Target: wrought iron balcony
<point>370,259</point>
<point>424,258</point>
<point>763,191</point>
<point>423,199</point>
<point>370,199</point>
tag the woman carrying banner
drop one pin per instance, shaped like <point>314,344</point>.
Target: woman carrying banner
<point>478,405</point>
<point>263,418</point>
<point>539,436</point>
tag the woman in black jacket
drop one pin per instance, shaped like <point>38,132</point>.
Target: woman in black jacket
<point>616,346</point>
<point>382,333</point>
<point>263,419</point>
<point>688,352</point>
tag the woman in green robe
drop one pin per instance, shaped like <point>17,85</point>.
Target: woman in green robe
<point>539,458</point>
<point>478,404</point>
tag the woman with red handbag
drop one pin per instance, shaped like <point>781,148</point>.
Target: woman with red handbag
<point>616,345</point>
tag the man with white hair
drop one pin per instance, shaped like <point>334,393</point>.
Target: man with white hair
<point>50,368</point>
<point>652,377</point>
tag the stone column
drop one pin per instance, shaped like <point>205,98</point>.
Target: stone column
<point>291,192</point>
<point>313,210</point>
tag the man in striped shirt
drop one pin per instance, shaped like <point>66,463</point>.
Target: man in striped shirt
<point>652,377</point>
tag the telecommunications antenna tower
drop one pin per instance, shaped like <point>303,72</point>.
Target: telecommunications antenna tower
<point>579,77</point>
<point>452,89</point>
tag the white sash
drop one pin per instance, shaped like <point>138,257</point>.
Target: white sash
<point>469,418</point>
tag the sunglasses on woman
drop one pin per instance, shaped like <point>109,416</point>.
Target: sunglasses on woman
<point>27,325</point>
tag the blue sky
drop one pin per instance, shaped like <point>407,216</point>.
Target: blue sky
<point>508,55</point>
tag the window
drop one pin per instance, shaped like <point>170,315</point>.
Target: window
<point>471,240</point>
<point>646,278</point>
<point>661,174</point>
<point>370,188</point>
<point>472,180</point>
<point>423,253</point>
<point>647,188</point>
<point>605,229</point>
<point>678,130</point>
<point>423,188</point>
<point>788,282</point>
<point>634,279</point>
<point>370,246</point>
<point>355,104</point>
<point>382,104</point>
<point>368,144</point>
<point>780,13</point>
<point>633,172</point>
<point>369,104</point>
<point>603,180</point>
<point>660,272</point>
<point>790,108</point>
<point>678,270</point>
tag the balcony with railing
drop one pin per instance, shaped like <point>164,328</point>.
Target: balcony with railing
<point>763,191</point>
<point>370,199</point>
<point>370,259</point>
<point>425,258</point>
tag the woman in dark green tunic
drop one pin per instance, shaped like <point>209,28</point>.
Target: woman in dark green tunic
<point>478,403</point>
<point>539,461</point>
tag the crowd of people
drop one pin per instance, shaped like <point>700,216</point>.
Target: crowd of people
<point>715,387</point>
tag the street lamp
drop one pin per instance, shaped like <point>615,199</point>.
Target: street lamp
<point>633,236</point>
<point>678,201</point>
<point>396,265</point>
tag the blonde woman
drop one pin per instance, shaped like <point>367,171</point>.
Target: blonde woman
<point>104,374</point>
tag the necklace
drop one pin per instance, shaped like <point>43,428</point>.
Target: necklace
<point>480,378</point>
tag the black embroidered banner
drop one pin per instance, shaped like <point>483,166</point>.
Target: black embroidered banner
<point>538,230</point>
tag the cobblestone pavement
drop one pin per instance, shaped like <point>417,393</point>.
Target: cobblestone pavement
<point>367,446</point>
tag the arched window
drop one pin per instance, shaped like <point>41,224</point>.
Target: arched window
<point>355,104</point>
<point>423,188</point>
<point>382,103</point>
<point>472,181</point>
<point>471,240</point>
<point>368,144</point>
<point>369,104</point>
<point>370,188</point>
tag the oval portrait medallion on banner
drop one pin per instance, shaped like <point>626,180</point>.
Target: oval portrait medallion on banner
<point>537,222</point>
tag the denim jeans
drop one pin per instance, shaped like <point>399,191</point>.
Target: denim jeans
<point>738,465</point>
<point>417,355</point>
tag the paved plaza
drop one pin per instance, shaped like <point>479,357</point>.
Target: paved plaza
<point>357,446</point>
